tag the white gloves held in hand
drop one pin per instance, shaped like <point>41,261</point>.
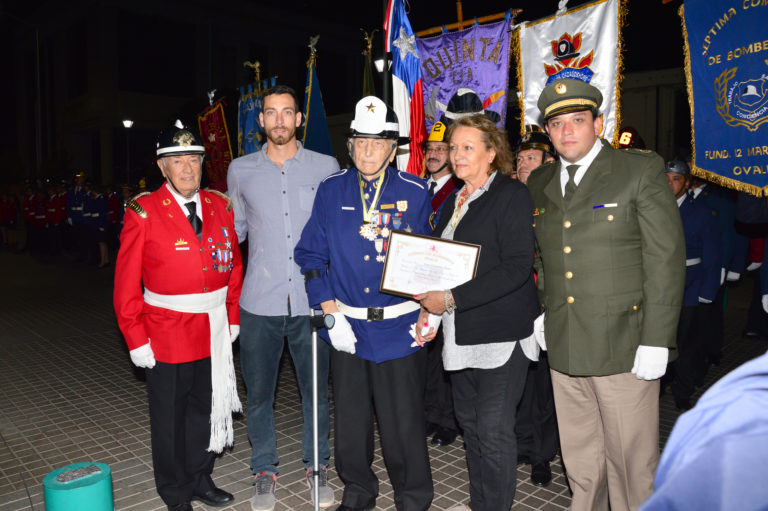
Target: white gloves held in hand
<point>234,331</point>
<point>143,356</point>
<point>342,336</point>
<point>538,331</point>
<point>650,362</point>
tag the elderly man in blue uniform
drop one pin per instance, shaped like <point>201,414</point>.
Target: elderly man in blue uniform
<point>702,280</point>
<point>611,269</point>
<point>375,368</point>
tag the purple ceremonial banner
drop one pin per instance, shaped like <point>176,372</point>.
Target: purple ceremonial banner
<point>476,58</point>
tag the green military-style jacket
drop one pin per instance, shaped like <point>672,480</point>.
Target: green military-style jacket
<point>611,262</point>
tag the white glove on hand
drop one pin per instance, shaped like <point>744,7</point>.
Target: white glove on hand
<point>538,331</point>
<point>342,336</point>
<point>704,300</point>
<point>234,331</point>
<point>732,276</point>
<point>69,221</point>
<point>650,362</point>
<point>765,303</point>
<point>754,266</point>
<point>143,356</point>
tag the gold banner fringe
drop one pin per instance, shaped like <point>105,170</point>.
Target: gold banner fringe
<point>709,175</point>
<point>623,8</point>
<point>514,46</point>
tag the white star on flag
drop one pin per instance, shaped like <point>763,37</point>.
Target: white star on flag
<point>406,43</point>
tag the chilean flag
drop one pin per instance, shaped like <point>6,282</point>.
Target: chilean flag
<point>407,94</point>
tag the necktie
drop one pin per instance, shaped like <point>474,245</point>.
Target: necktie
<point>432,187</point>
<point>194,220</point>
<point>570,186</point>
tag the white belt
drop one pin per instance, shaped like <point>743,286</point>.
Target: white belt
<point>693,261</point>
<point>223,383</point>
<point>378,313</point>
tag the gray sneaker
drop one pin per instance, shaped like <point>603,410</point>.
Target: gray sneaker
<point>264,496</point>
<point>324,492</point>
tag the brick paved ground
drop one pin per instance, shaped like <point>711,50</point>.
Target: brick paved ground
<point>68,393</point>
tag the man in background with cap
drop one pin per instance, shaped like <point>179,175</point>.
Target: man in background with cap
<point>534,150</point>
<point>438,399</point>
<point>611,269</point>
<point>179,244</point>
<point>272,192</point>
<point>376,367</point>
<point>536,424</point>
<point>702,281</point>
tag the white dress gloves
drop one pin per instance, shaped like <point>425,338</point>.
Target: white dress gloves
<point>234,331</point>
<point>143,356</point>
<point>342,336</point>
<point>650,362</point>
<point>538,331</point>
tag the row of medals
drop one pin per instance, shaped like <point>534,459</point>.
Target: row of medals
<point>371,233</point>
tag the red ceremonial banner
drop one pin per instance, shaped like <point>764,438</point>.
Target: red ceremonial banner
<point>218,152</point>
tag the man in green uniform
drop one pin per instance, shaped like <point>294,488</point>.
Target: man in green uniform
<point>611,262</point>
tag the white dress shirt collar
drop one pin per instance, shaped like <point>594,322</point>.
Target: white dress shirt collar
<point>583,164</point>
<point>183,200</point>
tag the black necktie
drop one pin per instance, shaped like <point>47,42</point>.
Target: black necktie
<point>194,220</point>
<point>432,187</point>
<point>570,186</point>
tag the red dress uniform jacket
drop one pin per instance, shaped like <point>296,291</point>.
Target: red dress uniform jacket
<point>159,249</point>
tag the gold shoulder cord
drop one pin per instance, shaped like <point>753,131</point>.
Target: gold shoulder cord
<point>134,206</point>
<point>223,196</point>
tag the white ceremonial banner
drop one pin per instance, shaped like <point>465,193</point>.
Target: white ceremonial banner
<point>583,43</point>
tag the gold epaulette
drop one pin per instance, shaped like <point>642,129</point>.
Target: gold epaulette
<point>223,196</point>
<point>134,206</point>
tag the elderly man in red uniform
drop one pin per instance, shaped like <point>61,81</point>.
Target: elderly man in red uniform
<point>177,286</point>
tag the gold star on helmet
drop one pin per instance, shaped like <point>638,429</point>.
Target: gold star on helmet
<point>371,107</point>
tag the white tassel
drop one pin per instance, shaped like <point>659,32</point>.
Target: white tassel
<point>562,6</point>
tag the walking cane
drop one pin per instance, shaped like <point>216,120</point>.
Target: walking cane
<point>316,323</point>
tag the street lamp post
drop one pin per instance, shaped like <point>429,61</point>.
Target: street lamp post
<point>127,123</point>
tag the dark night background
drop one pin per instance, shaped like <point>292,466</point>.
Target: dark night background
<point>162,56</point>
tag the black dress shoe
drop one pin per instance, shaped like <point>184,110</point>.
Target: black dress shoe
<point>430,428</point>
<point>366,507</point>
<point>541,475</point>
<point>444,436</point>
<point>214,498</point>
<point>181,507</point>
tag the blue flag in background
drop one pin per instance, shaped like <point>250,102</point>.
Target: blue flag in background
<point>316,135</point>
<point>249,132</point>
<point>727,74</point>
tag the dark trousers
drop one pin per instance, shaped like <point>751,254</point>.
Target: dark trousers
<point>757,319</point>
<point>394,391</point>
<point>438,398</point>
<point>536,425</point>
<point>690,356</point>
<point>486,402</point>
<point>712,325</point>
<point>179,413</point>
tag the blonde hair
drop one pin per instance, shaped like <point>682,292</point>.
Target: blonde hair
<point>493,138</point>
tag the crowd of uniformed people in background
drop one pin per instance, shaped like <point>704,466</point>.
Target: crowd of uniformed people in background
<point>72,220</point>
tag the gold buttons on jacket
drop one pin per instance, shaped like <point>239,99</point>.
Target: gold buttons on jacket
<point>567,224</point>
<point>366,257</point>
<point>205,289</point>
<point>610,218</point>
<point>569,275</point>
<point>635,307</point>
<point>205,268</point>
<point>567,249</point>
<point>571,299</point>
<point>367,290</point>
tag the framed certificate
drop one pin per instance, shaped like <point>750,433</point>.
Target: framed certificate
<point>416,263</point>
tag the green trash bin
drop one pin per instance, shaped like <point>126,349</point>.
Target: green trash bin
<point>79,487</point>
